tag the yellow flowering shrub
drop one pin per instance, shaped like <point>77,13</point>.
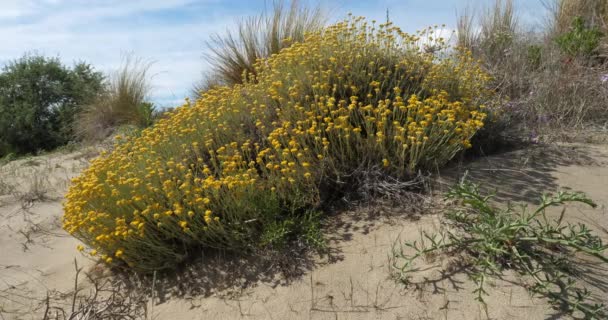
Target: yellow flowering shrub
<point>220,170</point>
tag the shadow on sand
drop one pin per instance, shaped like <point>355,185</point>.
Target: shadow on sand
<point>517,176</point>
<point>520,175</point>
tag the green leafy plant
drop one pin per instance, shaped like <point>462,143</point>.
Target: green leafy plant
<point>276,233</point>
<point>305,228</point>
<point>580,40</point>
<point>527,241</point>
<point>7,158</point>
<point>594,12</point>
<point>312,234</point>
<point>147,112</point>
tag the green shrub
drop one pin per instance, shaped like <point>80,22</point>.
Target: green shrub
<point>580,40</point>
<point>243,167</point>
<point>7,158</point>
<point>595,12</point>
<point>38,100</point>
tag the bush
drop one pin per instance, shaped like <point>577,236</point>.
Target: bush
<point>244,166</point>
<point>580,40</point>
<point>38,100</point>
<point>497,29</point>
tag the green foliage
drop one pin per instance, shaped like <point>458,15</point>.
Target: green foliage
<point>529,242</point>
<point>303,227</point>
<point>580,40</point>
<point>38,100</point>
<point>593,12</point>
<point>7,158</point>
<point>310,228</point>
<point>535,55</point>
<point>276,233</point>
<point>147,113</point>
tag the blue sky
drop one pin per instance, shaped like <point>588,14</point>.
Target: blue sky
<point>172,33</point>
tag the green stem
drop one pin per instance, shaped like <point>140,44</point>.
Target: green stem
<point>568,244</point>
<point>437,248</point>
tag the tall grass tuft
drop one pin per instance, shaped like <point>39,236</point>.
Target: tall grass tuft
<point>498,27</point>
<point>466,29</point>
<point>235,53</point>
<point>124,102</point>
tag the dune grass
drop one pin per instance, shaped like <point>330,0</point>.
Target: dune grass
<point>124,102</point>
<point>234,53</point>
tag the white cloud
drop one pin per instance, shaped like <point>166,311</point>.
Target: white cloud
<point>171,33</point>
<point>102,32</point>
<point>13,9</point>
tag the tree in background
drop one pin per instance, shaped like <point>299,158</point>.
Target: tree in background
<point>39,98</point>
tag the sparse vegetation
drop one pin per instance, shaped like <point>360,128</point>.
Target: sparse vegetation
<point>544,249</point>
<point>107,298</point>
<point>527,66</point>
<point>29,185</point>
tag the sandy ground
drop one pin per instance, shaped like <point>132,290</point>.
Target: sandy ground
<point>353,282</point>
<point>36,255</point>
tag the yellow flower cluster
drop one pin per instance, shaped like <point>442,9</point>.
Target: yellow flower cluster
<point>220,169</point>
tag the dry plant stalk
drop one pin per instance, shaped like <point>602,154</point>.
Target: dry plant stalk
<point>107,299</point>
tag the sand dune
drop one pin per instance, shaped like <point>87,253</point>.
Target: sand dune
<point>353,282</point>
